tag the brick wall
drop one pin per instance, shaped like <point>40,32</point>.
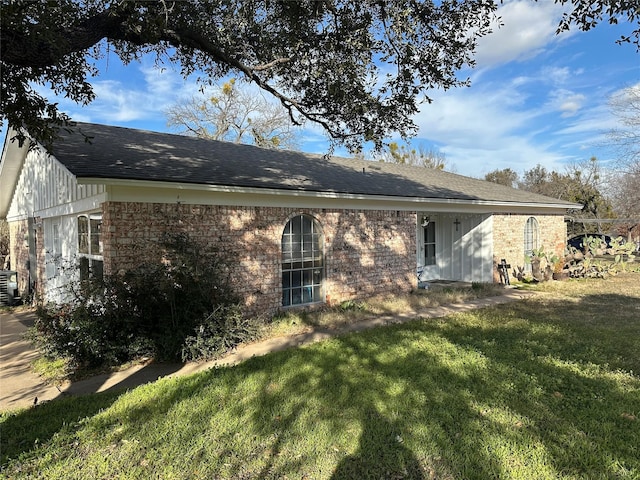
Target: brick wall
<point>508,237</point>
<point>41,273</point>
<point>366,252</point>
<point>19,252</point>
<point>369,252</point>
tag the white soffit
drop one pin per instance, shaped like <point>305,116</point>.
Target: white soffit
<point>196,194</point>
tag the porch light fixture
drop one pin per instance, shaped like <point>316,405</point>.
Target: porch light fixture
<point>425,220</point>
<point>457,224</point>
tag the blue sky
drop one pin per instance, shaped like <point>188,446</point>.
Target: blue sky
<point>534,98</point>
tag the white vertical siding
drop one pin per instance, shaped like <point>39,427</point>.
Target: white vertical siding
<point>48,191</point>
<point>44,184</point>
<point>58,274</point>
<point>464,253</point>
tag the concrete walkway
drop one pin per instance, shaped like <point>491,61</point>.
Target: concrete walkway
<point>20,387</point>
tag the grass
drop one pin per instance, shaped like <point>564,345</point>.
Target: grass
<point>545,388</point>
<point>55,371</point>
<point>301,321</point>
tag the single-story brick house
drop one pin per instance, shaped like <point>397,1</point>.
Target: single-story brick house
<point>305,229</point>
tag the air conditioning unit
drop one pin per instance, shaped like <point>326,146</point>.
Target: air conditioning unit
<point>9,288</point>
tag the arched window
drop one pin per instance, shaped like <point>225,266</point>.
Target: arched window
<point>302,262</point>
<point>531,236</point>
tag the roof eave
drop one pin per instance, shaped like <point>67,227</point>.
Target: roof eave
<point>417,202</point>
<point>13,157</point>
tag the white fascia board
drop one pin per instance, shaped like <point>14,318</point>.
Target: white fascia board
<point>74,208</point>
<point>13,157</point>
<point>170,192</point>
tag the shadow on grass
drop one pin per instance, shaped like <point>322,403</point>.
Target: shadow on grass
<point>529,388</point>
<point>603,328</point>
<point>381,453</point>
<point>25,431</point>
<point>539,381</point>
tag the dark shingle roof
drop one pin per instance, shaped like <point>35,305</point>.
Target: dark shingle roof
<point>124,153</point>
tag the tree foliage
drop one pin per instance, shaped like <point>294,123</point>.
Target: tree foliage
<point>234,115</point>
<point>504,176</point>
<point>358,69</point>
<point>625,106</point>
<point>585,185</point>
<point>421,157</point>
<point>4,242</point>
<point>581,183</point>
<point>625,190</point>
<point>586,14</point>
<point>540,180</point>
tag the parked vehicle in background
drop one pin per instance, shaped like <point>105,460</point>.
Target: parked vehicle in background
<point>579,240</point>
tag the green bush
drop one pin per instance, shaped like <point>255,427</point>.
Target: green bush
<point>179,307</point>
<point>94,328</point>
<point>221,331</point>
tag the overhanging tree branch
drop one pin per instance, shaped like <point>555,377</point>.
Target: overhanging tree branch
<point>358,69</point>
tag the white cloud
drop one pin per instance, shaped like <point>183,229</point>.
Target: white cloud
<point>594,121</point>
<point>122,100</point>
<point>160,81</point>
<point>116,103</point>
<point>480,115</point>
<point>536,99</point>
<point>556,75</point>
<point>486,127</point>
<point>571,105</point>
<point>527,29</point>
<point>515,153</point>
<point>566,101</point>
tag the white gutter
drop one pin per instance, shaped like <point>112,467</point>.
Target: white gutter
<point>412,203</point>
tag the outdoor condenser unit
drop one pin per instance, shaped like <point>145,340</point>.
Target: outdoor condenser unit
<point>9,288</point>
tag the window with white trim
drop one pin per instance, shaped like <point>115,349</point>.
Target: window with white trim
<point>54,251</point>
<point>531,239</point>
<point>57,248</point>
<point>302,262</point>
<point>90,246</point>
<point>429,232</point>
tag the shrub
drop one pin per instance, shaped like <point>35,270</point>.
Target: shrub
<point>93,329</point>
<point>351,305</point>
<point>181,307</point>
<point>221,331</point>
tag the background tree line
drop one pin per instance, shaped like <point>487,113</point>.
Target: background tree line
<point>602,193</point>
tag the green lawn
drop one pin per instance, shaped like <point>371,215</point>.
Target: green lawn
<point>543,388</point>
